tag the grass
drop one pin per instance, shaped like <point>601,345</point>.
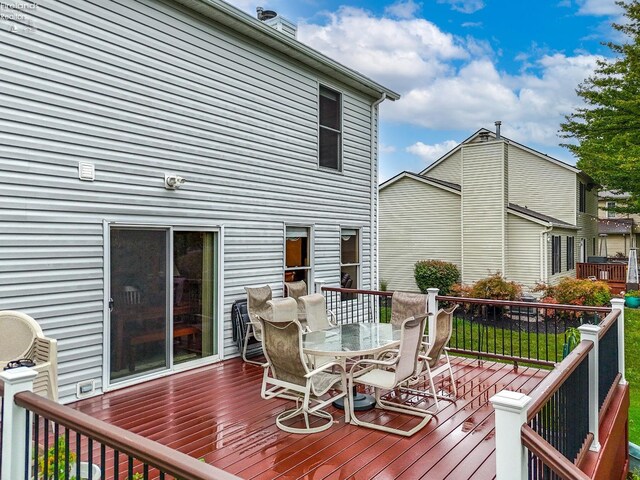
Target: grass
<point>632,369</point>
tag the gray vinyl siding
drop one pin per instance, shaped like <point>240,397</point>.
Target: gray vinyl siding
<point>541,185</point>
<point>484,196</point>
<point>523,251</point>
<point>140,88</point>
<point>417,222</point>
<point>450,169</point>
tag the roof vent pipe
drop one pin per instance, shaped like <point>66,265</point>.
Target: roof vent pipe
<point>265,14</point>
<point>498,123</point>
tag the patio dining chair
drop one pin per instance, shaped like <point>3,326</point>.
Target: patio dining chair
<point>296,290</point>
<point>316,313</point>
<point>431,365</point>
<point>387,375</point>
<point>288,376</point>
<point>23,339</point>
<point>257,298</point>
<point>405,305</point>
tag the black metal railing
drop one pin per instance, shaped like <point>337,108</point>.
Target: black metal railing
<point>608,371</point>
<point>529,332</point>
<point>353,305</point>
<point>1,421</point>
<point>559,414</point>
<point>69,445</point>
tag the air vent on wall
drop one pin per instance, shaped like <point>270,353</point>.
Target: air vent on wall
<point>86,171</point>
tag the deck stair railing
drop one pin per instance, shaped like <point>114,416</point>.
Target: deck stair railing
<point>546,435</point>
<point>42,439</point>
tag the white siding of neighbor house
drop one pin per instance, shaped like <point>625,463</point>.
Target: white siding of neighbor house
<point>417,222</point>
<point>553,279</point>
<point>588,221</point>
<point>484,197</point>
<point>523,251</point>
<point>449,170</point>
<point>541,185</point>
<point>140,88</point>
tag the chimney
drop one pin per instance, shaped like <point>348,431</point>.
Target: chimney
<point>498,123</point>
<point>271,18</point>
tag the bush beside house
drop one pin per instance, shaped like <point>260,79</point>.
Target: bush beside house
<point>436,274</point>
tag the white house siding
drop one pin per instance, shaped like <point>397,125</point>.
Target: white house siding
<point>588,221</point>
<point>417,222</point>
<point>553,279</point>
<point>484,196</point>
<point>449,170</point>
<point>140,88</point>
<point>523,251</point>
<point>541,185</point>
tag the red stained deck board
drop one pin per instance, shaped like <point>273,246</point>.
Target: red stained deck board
<point>216,413</point>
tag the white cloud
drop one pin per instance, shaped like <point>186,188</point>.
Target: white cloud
<point>430,153</point>
<point>471,24</point>
<point>402,9</point>
<point>386,148</point>
<point>465,6</point>
<point>598,7</point>
<point>399,52</point>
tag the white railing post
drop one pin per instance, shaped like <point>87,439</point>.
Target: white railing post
<point>510,414</point>
<point>590,333</point>
<point>618,304</point>
<point>432,308</point>
<point>318,284</point>
<point>15,437</point>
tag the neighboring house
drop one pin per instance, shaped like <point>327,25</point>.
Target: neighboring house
<point>489,205</point>
<point>618,231</point>
<point>107,108</point>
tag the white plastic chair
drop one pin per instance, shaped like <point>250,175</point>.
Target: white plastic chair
<point>316,313</point>
<point>22,337</point>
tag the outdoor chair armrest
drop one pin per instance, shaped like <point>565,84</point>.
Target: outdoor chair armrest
<point>333,320</point>
<point>322,368</point>
<point>373,363</point>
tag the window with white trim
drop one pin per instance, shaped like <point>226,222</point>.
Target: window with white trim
<point>330,129</point>
<point>349,258</point>
<point>556,248</point>
<point>297,254</point>
<point>610,212</point>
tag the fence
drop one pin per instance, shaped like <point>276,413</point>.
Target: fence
<point>615,274</point>
<point>352,305</point>
<point>54,442</point>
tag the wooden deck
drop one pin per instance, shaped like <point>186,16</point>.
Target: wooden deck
<point>216,413</point>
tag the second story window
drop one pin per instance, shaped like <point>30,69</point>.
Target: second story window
<point>330,129</point>
<point>610,207</point>
<point>582,199</point>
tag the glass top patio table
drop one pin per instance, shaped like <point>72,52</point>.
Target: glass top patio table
<point>351,339</point>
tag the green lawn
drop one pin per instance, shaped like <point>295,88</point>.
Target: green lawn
<point>632,369</point>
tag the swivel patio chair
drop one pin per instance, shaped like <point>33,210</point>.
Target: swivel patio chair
<point>287,375</point>
<point>316,313</point>
<point>387,375</point>
<point>405,305</point>
<point>257,298</point>
<point>22,338</point>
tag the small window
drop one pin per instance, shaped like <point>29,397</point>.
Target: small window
<point>556,247</point>
<point>610,212</point>
<point>571,260</point>
<point>330,131</point>
<point>593,241</point>
<point>582,201</point>
<point>297,254</point>
<point>349,258</point>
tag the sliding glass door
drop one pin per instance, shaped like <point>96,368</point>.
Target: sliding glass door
<point>156,322</point>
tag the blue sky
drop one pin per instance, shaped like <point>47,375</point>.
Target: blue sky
<point>460,65</point>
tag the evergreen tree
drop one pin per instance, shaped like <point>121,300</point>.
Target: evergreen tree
<point>608,127</point>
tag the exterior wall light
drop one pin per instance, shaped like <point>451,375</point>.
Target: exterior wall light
<point>172,181</point>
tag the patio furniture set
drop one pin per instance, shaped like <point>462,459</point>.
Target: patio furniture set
<point>315,362</point>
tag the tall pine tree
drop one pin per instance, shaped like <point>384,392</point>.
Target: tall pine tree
<point>608,127</point>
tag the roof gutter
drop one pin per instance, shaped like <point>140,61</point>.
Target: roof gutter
<point>245,24</point>
<point>374,193</point>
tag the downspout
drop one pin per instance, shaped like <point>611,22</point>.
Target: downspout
<point>544,258</point>
<point>374,189</point>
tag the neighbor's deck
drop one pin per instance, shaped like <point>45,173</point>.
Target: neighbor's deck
<point>216,413</point>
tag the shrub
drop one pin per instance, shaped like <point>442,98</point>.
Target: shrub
<point>632,293</point>
<point>384,285</point>
<point>574,291</point>
<point>460,290</point>
<point>435,274</point>
<point>496,287</point>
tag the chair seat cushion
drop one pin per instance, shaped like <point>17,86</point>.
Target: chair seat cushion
<point>378,378</point>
